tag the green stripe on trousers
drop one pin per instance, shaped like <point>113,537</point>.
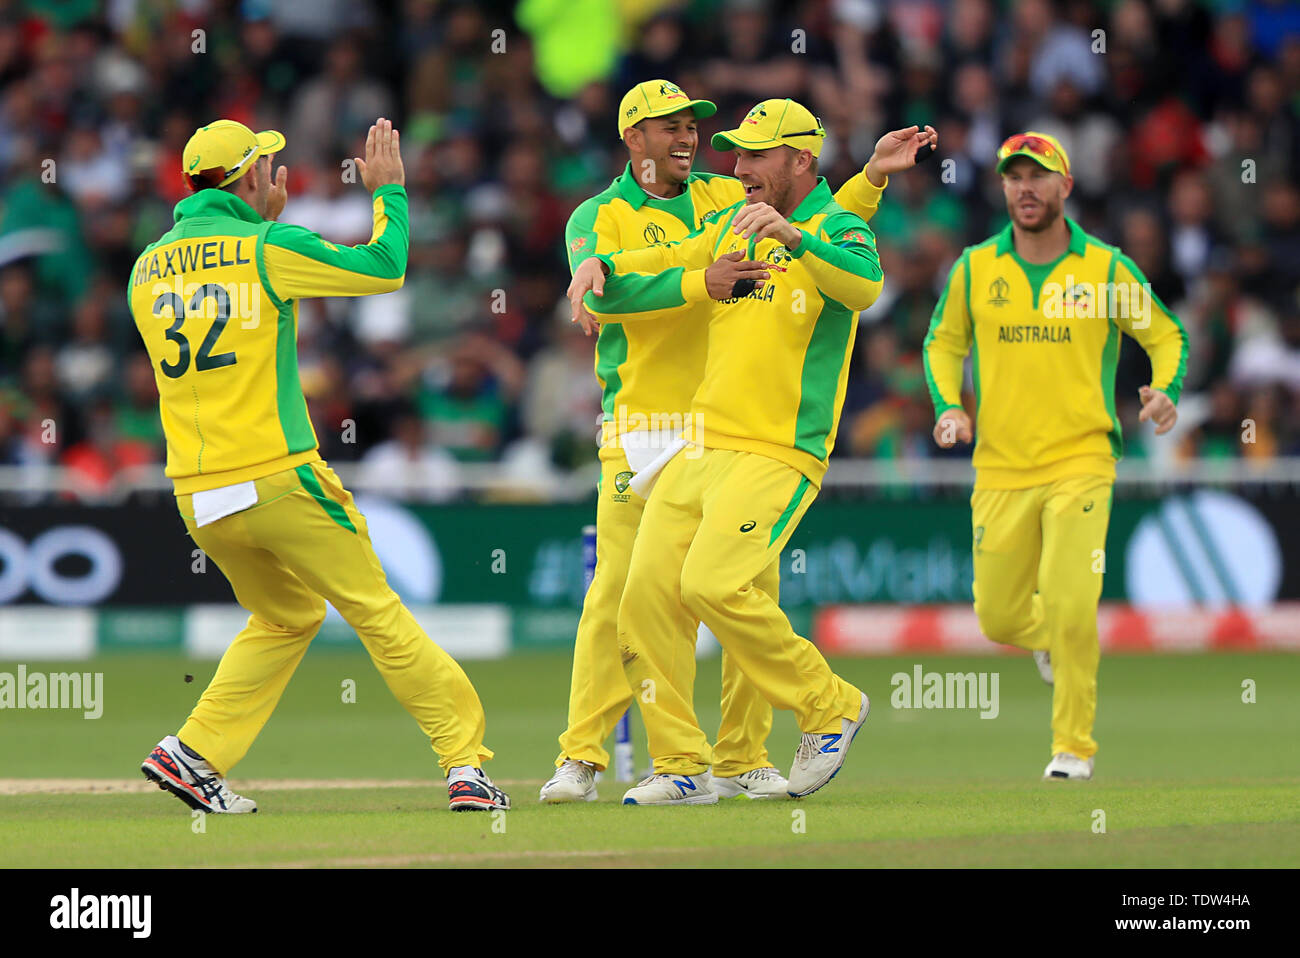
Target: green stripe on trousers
<point>332,508</point>
<point>784,521</point>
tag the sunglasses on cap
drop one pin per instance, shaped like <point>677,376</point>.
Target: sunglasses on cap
<point>1035,145</point>
<point>820,131</point>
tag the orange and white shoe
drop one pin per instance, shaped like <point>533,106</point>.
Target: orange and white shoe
<point>189,777</point>
<point>469,790</point>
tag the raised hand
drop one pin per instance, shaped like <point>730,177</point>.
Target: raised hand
<point>900,150</point>
<point>383,162</point>
<point>278,195</point>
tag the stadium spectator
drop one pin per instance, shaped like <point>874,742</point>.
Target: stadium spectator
<point>1185,135</point>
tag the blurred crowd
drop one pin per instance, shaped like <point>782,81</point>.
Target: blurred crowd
<point>1181,118</point>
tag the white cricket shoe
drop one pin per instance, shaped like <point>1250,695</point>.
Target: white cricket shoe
<point>819,757</point>
<point>673,790</point>
<point>1066,766</point>
<point>573,781</point>
<point>190,778</point>
<point>756,783</point>
<point>1043,659</point>
<point>470,790</point>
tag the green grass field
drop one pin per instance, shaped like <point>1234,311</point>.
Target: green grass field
<point>1188,775</point>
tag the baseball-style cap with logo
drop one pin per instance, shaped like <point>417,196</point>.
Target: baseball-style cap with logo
<point>1043,148</point>
<point>229,146</point>
<point>657,98</point>
<point>775,123</point>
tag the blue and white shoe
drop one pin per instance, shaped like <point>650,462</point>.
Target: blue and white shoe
<point>820,756</point>
<point>188,776</point>
<point>673,790</point>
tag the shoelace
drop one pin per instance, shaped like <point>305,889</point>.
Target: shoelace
<point>214,787</point>
<point>652,779</point>
<point>809,746</point>
<point>575,771</point>
<point>211,785</point>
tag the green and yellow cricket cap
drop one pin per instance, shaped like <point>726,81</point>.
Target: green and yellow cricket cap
<point>775,123</point>
<point>230,146</point>
<point>1043,148</point>
<point>657,98</point>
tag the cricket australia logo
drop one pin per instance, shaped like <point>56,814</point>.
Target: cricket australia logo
<point>998,290</point>
<point>670,91</point>
<point>621,483</point>
<point>756,114</point>
<point>654,233</point>
<point>779,259</point>
<point>1078,298</point>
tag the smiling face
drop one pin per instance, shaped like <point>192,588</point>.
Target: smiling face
<point>1035,196</point>
<point>669,142</point>
<point>768,176</point>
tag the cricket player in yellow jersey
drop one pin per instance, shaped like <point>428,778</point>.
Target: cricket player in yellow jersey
<point>648,373</point>
<point>1040,307</point>
<point>762,425</point>
<point>216,303</point>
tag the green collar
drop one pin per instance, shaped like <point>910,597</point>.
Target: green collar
<point>631,190</point>
<point>212,202</point>
<point>1078,239</point>
<point>811,204</point>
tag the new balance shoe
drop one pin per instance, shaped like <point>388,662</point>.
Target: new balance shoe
<point>1043,659</point>
<point>820,756</point>
<point>757,783</point>
<point>573,781</point>
<point>190,778</point>
<point>1065,766</point>
<point>673,790</point>
<point>470,790</point>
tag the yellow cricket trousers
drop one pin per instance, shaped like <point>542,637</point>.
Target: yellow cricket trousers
<point>599,693</point>
<point>302,544</point>
<point>1039,561</point>
<point>712,525</point>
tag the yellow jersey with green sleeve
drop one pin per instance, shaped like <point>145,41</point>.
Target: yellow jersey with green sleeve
<point>777,359</point>
<point>216,302</point>
<point>1044,343</point>
<point>649,372</point>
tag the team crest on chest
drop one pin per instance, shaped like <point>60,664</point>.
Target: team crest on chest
<point>779,259</point>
